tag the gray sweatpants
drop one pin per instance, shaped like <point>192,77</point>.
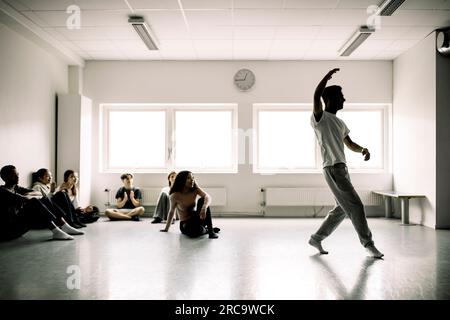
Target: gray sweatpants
<point>162,207</point>
<point>347,203</point>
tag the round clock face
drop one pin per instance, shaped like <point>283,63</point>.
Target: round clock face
<point>244,79</point>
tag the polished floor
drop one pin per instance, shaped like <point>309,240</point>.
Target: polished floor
<point>254,258</point>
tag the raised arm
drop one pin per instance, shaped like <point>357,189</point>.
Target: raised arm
<point>318,109</point>
<point>357,148</point>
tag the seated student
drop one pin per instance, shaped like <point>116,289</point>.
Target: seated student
<point>88,214</point>
<point>163,205</point>
<point>194,222</point>
<point>128,201</point>
<point>22,208</point>
<point>42,183</point>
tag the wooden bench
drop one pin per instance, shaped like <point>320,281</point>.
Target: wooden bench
<point>404,203</point>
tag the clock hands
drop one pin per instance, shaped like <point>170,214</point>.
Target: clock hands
<point>244,77</point>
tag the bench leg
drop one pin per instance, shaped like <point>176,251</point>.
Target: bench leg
<point>387,207</point>
<point>404,204</point>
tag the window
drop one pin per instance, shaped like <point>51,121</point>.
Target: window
<point>367,128</point>
<point>284,141</point>
<point>161,137</point>
<point>214,149</point>
<point>136,139</point>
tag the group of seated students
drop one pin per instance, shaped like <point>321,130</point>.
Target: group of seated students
<point>57,209</point>
<point>183,200</point>
<point>22,209</point>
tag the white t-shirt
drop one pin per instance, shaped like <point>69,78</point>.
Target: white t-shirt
<point>330,132</point>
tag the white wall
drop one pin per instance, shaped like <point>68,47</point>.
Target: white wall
<point>139,82</point>
<point>74,141</point>
<point>414,128</point>
<point>30,78</point>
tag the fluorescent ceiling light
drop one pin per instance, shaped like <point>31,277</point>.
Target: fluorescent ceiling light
<point>355,41</point>
<point>144,32</point>
<point>389,6</point>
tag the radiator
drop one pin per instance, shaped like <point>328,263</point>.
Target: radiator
<point>150,196</point>
<point>311,197</point>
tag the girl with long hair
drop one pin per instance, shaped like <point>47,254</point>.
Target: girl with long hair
<point>195,216</point>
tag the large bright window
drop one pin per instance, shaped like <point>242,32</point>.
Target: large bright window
<point>204,139</point>
<point>136,139</point>
<point>284,141</point>
<point>161,137</point>
<point>367,129</point>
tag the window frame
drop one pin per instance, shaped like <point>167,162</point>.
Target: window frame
<point>170,144</point>
<point>213,107</point>
<point>277,107</point>
<point>385,108</point>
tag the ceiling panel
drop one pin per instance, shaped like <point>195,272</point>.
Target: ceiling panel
<point>84,33</point>
<point>222,45</point>
<point>358,4</point>
<point>401,45</point>
<point>213,32</point>
<point>207,18</point>
<point>178,55</point>
<point>176,45</point>
<point>345,17</point>
<point>258,4</point>
<point>311,4</point>
<point>107,55</point>
<point>101,4</point>
<point>286,55</point>
<point>215,55</point>
<point>418,18</point>
<point>153,4</point>
<point>43,5</point>
<point>293,32</point>
<point>326,45</point>
<point>386,32</point>
<point>124,45</point>
<point>102,45</point>
<point>335,32</point>
<point>210,4</point>
<point>252,45</point>
<point>142,55</point>
<point>254,32</point>
<point>285,45</point>
<point>426,4</point>
<point>258,17</point>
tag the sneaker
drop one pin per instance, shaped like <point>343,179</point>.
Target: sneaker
<point>373,252</point>
<point>135,218</point>
<point>157,220</point>
<point>316,244</point>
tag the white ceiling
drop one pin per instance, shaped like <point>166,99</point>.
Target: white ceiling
<point>234,29</point>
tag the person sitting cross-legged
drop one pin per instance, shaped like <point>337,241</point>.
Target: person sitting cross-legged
<point>128,197</point>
